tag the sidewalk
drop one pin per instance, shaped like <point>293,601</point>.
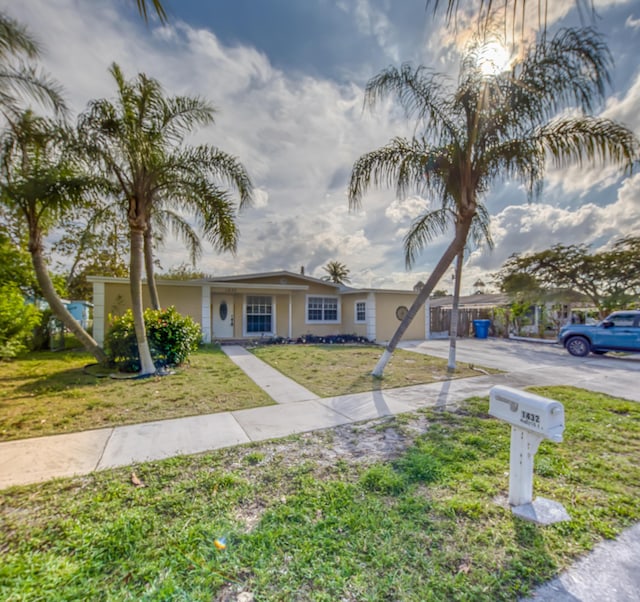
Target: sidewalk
<point>609,573</point>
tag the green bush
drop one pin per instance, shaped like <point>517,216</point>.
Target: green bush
<point>17,321</point>
<point>171,337</point>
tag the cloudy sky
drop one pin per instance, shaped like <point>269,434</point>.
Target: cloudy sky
<point>287,78</point>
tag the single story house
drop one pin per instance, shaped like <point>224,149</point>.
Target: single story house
<point>281,303</point>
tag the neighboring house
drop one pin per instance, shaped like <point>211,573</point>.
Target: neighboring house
<point>471,307</point>
<point>81,311</point>
<point>283,304</point>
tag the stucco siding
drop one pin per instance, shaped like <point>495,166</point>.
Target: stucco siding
<point>386,321</point>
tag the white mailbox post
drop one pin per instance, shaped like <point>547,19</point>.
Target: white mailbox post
<point>532,418</point>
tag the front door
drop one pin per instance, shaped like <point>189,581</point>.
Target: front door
<point>223,318</point>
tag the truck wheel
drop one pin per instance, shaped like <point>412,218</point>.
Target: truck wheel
<point>578,346</point>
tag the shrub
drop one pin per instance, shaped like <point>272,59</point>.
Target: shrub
<point>17,321</point>
<point>171,338</point>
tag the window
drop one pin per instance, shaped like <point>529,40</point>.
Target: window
<point>621,319</point>
<point>259,314</point>
<point>361,311</point>
<point>323,309</point>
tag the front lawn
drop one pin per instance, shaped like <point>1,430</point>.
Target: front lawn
<point>330,370</point>
<point>49,392</point>
<point>409,508</point>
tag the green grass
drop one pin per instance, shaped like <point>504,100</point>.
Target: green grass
<point>428,523</point>
<point>49,392</point>
<point>330,370</point>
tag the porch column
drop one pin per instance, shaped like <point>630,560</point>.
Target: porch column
<point>205,318</point>
<point>371,316</point>
<point>98,312</point>
<point>290,316</point>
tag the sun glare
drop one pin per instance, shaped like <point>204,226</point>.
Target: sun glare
<point>493,58</point>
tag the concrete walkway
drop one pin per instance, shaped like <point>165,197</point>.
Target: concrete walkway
<point>610,573</point>
<point>279,387</point>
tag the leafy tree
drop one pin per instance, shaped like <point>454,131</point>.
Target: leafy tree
<point>337,272</point>
<point>486,129</point>
<point>97,243</point>
<point>138,144</point>
<point>15,264</point>
<point>184,271</point>
<point>17,321</point>
<point>17,76</point>
<point>40,182</point>
<point>610,279</point>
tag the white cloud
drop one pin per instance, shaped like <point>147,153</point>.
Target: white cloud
<point>401,210</point>
<point>299,136</point>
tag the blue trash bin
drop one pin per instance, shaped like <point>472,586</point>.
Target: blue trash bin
<point>481,328</point>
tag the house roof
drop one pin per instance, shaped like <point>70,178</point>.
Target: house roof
<point>281,273</point>
<point>468,301</point>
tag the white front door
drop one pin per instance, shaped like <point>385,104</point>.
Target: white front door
<point>223,318</point>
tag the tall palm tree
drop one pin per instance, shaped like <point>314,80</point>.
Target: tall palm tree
<point>39,184</point>
<point>17,77</point>
<point>337,272</point>
<point>138,143</point>
<point>490,128</point>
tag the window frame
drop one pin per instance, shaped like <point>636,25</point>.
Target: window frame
<point>245,316</point>
<point>355,312</point>
<point>335,298</point>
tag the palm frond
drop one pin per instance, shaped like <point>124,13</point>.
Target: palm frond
<point>589,139</point>
<point>423,230</point>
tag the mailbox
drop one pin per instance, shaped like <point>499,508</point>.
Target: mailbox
<point>529,412</point>
<point>532,418</point>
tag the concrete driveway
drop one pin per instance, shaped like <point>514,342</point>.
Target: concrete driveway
<point>543,363</point>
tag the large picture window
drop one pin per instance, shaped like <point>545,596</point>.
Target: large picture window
<point>259,314</point>
<point>323,309</point>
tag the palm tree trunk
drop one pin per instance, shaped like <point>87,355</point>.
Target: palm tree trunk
<point>149,269</point>
<point>456,246</point>
<point>57,307</point>
<point>147,366</point>
<point>453,331</point>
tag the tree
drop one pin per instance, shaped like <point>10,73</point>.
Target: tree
<point>39,183</point>
<point>490,127</point>
<point>610,279</point>
<point>337,272</point>
<point>17,77</point>
<point>137,142</point>
<point>17,321</point>
<point>487,11</point>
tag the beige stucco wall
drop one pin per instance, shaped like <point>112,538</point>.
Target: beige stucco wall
<point>386,321</point>
<point>349,315</point>
<point>186,299</point>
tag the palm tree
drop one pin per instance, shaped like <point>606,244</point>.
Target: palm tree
<point>39,184</point>
<point>18,78</point>
<point>214,214</point>
<point>490,128</point>
<point>137,142</point>
<point>337,272</point>
<point>515,10</point>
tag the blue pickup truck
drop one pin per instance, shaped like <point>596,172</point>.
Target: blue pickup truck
<point>618,332</point>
